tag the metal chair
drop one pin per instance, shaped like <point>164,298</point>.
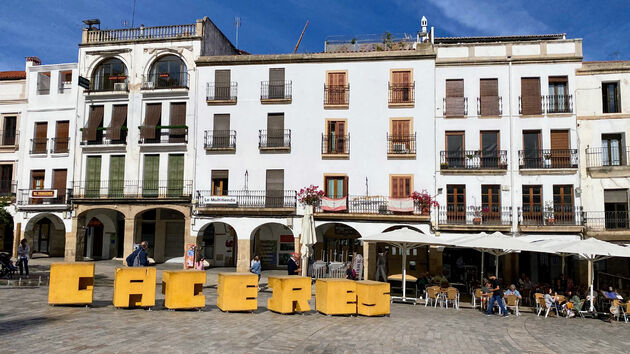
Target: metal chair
<point>476,294</point>
<point>511,301</point>
<point>432,294</point>
<point>452,295</point>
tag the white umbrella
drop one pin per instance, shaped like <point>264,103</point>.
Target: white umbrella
<point>308,237</point>
<point>593,250</point>
<point>405,239</point>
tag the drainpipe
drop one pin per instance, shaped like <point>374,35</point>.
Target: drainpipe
<point>514,210</point>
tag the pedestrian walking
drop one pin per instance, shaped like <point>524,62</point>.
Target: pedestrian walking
<point>23,253</point>
<point>381,266</point>
<point>255,267</point>
<point>497,295</point>
<point>138,258</point>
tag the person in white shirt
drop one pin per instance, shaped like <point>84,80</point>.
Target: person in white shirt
<point>23,253</point>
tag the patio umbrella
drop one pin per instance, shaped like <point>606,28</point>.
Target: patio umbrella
<point>308,237</point>
<point>406,239</point>
<point>593,250</point>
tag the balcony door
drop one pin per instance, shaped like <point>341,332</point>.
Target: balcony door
<point>221,131</point>
<point>491,203</point>
<point>563,208</point>
<point>336,187</point>
<point>177,132</point>
<point>489,97</point>
<point>455,149</point>
<point>116,176</point>
<point>616,209</point>
<point>560,154</point>
<point>275,130</point>
<point>489,149</point>
<point>6,179</point>
<point>93,177</point>
<point>274,194</point>
<point>532,204</point>
<point>401,86</point>
<point>337,82</point>
<point>532,157</point>
<point>62,137</point>
<point>336,136</point>
<point>37,182</point>
<point>41,138</point>
<point>222,85</point>
<point>219,182</point>
<point>401,136</point>
<point>9,132</point>
<point>175,183</point>
<point>455,106</point>
<point>276,83</point>
<point>531,101</point>
<point>558,94</point>
<point>151,175</point>
<point>612,150</point>
<point>456,203</point>
<point>59,183</point>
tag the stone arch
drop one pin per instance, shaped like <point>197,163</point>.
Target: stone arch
<point>91,243</point>
<point>102,80</point>
<point>165,229</point>
<point>46,234</point>
<point>397,227</point>
<point>157,55</point>
<point>337,242</point>
<point>273,242</point>
<point>218,244</point>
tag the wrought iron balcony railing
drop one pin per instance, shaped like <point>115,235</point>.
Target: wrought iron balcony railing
<point>9,138</point>
<point>275,90</point>
<point>219,140</point>
<point>167,80</point>
<point>473,160</point>
<point>607,220</point>
<point>375,204</point>
<point>39,146</point>
<point>401,144</point>
<point>531,108</point>
<point>455,106</point>
<point>488,215</point>
<point>559,103</point>
<point>274,138</point>
<point>333,144</point>
<point>489,106</point>
<point>608,156</point>
<point>548,158</point>
<point>102,139</point>
<point>165,134</point>
<point>141,33</point>
<point>335,95</point>
<point>132,189</point>
<point>221,92</point>
<point>559,216</point>
<point>402,93</point>
<point>247,199</point>
<point>113,82</point>
<point>60,145</point>
<point>43,196</point>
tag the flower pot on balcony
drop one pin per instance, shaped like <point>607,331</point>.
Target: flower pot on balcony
<point>550,221</point>
<point>425,210</point>
<point>477,221</point>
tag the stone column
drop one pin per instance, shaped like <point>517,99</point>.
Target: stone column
<point>130,226</point>
<point>242,262</point>
<point>70,254</point>
<point>369,260</point>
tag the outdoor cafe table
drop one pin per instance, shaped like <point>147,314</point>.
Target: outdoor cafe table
<point>410,279</point>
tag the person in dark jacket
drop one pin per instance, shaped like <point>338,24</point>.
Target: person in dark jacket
<point>293,267</point>
<point>139,257</point>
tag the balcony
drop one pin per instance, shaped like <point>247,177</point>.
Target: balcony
<point>363,207</point>
<point>493,218</point>
<point>608,224</point>
<point>221,93</point>
<point>109,83</point>
<point>401,146</point>
<point>274,92</point>
<point>60,145</point>
<point>531,106</point>
<point>274,139</point>
<point>473,160</point>
<point>94,36</point>
<point>489,106</point>
<point>548,159</point>
<point>164,134</point>
<point>43,198</point>
<point>9,140</point>
<point>401,95</point>
<point>608,162</point>
<point>557,219</point>
<point>247,201</point>
<point>335,146</point>
<point>336,96</point>
<point>220,140</point>
<point>131,189</point>
<point>8,189</point>
<point>168,80</point>
<point>455,107</point>
<point>559,103</point>
<point>39,146</point>
<point>102,139</point>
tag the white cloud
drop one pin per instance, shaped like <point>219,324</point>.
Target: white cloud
<point>491,17</point>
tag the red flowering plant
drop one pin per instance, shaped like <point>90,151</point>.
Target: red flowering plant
<point>310,195</point>
<point>424,201</point>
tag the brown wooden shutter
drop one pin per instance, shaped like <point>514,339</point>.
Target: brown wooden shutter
<point>455,97</point>
<point>530,96</point>
<point>59,182</point>
<point>345,186</point>
<point>276,75</point>
<point>394,183</point>
<point>37,179</point>
<point>401,77</point>
<point>489,97</point>
<point>400,128</point>
<point>94,121</point>
<point>119,117</point>
<point>455,88</point>
<point>559,139</point>
<point>222,78</point>
<point>221,123</point>
<point>63,129</point>
<point>151,120</point>
<point>178,117</point>
<point>337,79</point>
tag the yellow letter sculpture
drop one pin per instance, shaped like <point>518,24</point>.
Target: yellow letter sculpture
<point>134,287</point>
<point>237,292</point>
<point>290,294</point>
<point>372,298</point>
<point>183,289</point>
<point>336,296</point>
<point>71,284</point>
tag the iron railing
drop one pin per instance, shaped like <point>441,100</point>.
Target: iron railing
<point>8,188</point>
<point>489,106</point>
<point>24,197</point>
<point>102,139</point>
<point>141,33</point>
<point>607,220</point>
<point>489,215</point>
<point>402,93</point>
<point>365,204</point>
<point>474,160</point>
<point>275,90</point>
<point>60,145</point>
<point>533,109</point>
<point>9,137</point>
<point>109,82</point>
<point>274,138</point>
<point>167,80</point>
<point>401,144</point>
<point>248,199</point>
<point>167,135</point>
<point>336,94</point>
<point>608,156</point>
<point>536,215</point>
<point>219,139</point>
<point>221,92</point>
<point>131,189</point>
<point>548,158</point>
<point>335,144</point>
<point>39,146</point>
<point>559,103</point>
<point>455,106</point>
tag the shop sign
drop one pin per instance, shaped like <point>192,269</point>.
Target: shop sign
<point>219,200</point>
<point>43,193</point>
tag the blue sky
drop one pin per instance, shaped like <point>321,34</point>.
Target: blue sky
<point>51,29</point>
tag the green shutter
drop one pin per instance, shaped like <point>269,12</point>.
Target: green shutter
<point>150,183</point>
<point>93,177</point>
<point>175,175</point>
<point>116,176</point>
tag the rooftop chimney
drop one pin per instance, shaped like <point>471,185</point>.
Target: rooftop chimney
<point>33,61</point>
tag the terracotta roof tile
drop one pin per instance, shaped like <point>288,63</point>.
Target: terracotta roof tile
<point>12,75</point>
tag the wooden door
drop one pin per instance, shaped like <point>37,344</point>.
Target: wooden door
<point>489,97</point>
<point>116,176</point>
<point>222,85</point>
<point>401,186</point>
<point>455,149</point>
<point>62,137</point>
<point>401,86</point>
<point>151,175</point>
<point>336,137</point>
<point>563,208</point>
<point>456,203</point>
<point>275,130</point>
<point>41,138</point>
<point>274,195</point>
<point>221,131</point>
<point>532,205</point>
<point>531,101</point>
<point>93,177</point>
<point>560,154</point>
<point>337,88</point>
<point>59,183</point>
<point>37,182</point>
<point>401,140</point>
<point>336,187</point>
<point>491,203</point>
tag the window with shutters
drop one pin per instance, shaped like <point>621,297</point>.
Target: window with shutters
<point>559,156</point>
<point>40,138</point>
<point>489,154</point>
<point>401,186</point>
<point>92,132</point>
<point>559,99</point>
<point>60,177</point>
<point>8,133</point>
<point>532,204</point>
<point>277,89</point>
<point>117,130</point>
<point>456,203</point>
<point>177,129</point>
<point>274,192</point>
<point>401,139</point>
<point>489,103</point>
<point>150,131</point>
<point>455,104</point>
<point>222,90</point>
<point>491,203</point>
<point>151,176</point>
<point>336,187</point>
<point>530,100</point>
<point>335,140</point>
<point>116,176</point>
<point>43,83</point>
<point>563,208</point>
<point>275,137</point>
<point>37,182</point>
<point>455,148</point>
<point>62,138</point>
<point>220,182</point>
<point>6,180</point>
<point>175,183</point>
<point>613,153</point>
<point>336,89</point>
<point>616,209</point>
<point>611,97</point>
<point>93,177</point>
<point>220,137</point>
<point>401,87</point>
<point>531,155</point>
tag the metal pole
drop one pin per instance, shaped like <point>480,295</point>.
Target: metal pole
<point>590,281</point>
<point>482,254</point>
<point>404,272</point>
<point>563,258</point>
<point>496,265</point>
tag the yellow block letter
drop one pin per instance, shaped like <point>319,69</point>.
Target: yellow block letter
<point>237,292</point>
<point>372,298</point>
<point>71,284</point>
<point>290,294</point>
<point>336,296</point>
<point>183,289</point>
<point>134,287</point>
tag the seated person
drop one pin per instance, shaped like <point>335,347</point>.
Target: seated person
<point>551,300</point>
<point>485,295</point>
<point>439,279</point>
<point>350,272</point>
<point>423,280</point>
<point>573,304</point>
<point>611,294</point>
<point>512,291</point>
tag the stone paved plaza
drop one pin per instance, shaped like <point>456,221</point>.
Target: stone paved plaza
<point>28,324</point>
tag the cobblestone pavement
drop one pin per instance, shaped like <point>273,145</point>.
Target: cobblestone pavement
<point>28,324</point>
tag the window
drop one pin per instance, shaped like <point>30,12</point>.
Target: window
<point>276,84</point>
<point>116,176</point>
<point>221,131</point>
<point>558,99</point>
<point>40,140</point>
<point>6,179</point>
<point>456,202</point>
<point>220,182</point>
<point>9,131</point>
<point>43,83</point>
<point>110,75</point>
<point>402,140</point>
<point>455,149</point>
<point>177,130</point>
<point>65,81</point>
<point>489,97</point>
<point>610,97</point>
<point>59,183</point>
<point>274,193</point>
<point>336,88</point>
<point>93,132</point>
<point>117,131</point>
<point>401,86</point>
<point>563,209</point>
<point>275,130</point>
<point>60,146</point>
<point>531,101</point>
<point>37,182</point>
<point>151,175</point>
<point>613,151</point>
<point>336,187</point>
<point>335,140</point>
<point>222,85</point>
<point>401,186</point>
<point>455,101</point>
<point>175,182</point>
<point>93,177</point>
<point>149,132</point>
<point>489,149</point>
<point>560,154</point>
<point>616,208</point>
<point>491,202</point>
<point>532,204</point>
<point>168,71</point>
<point>532,155</point>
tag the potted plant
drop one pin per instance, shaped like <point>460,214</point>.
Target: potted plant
<point>549,211</point>
<point>424,201</point>
<point>477,214</point>
<point>310,195</point>
<point>444,166</point>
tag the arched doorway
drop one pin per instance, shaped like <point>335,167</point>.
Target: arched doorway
<point>46,235</point>
<point>219,245</point>
<point>100,234</point>
<point>273,243</point>
<point>336,242</point>
<point>164,230</point>
<point>94,239</point>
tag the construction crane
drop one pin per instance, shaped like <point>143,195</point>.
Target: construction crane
<point>300,40</point>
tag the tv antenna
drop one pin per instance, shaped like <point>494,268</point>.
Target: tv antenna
<point>237,24</point>
<point>133,14</point>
